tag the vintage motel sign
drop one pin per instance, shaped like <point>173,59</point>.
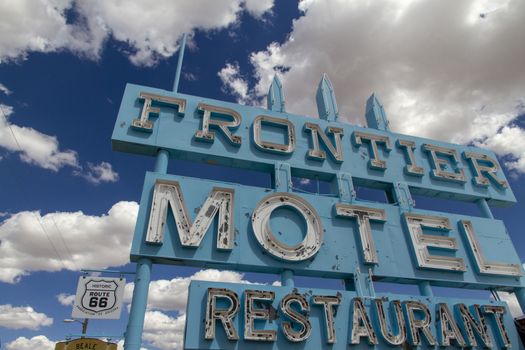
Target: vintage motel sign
<point>99,297</point>
<point>191,221</point>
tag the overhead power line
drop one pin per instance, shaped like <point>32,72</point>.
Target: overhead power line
<point>37,217</point>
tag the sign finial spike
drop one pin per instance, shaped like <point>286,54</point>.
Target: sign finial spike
<point>179,63</point>
<point>375,114</point>
<point>326,103</point>
<point>275,97</point>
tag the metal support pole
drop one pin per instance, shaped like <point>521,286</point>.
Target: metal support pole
<point>161,164</point>
<point>84,327</point>
<point>287,278</point>
<point>133,337</point>
<point>425,289</point>
<point>179,63</point>
<point>484,208</point>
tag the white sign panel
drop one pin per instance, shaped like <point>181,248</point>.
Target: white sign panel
<point>98,297</point>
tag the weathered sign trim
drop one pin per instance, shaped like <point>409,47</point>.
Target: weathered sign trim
<point>179,122</point>
<point>392,240</point>
<point>312,318</point>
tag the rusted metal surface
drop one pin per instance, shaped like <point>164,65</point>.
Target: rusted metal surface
<point>421,242</point>
<point>396,312</point>
<point>361,325</point>
<point>329,304</point>
<point>169,193</point>
<point>300,317</point>
<point>313,238</point>
<point>443,158</point>
<point>485,169</point>
<point>448,328</point>
<point>275,317</point>
<point>143,123</point>
<point>418,326</point>
<point>374,160</point>
<point>408,148</point>
<point>226,127</point>
<point>284,124</point>
<point>317,134</point>
<point>497,313</point>
<point>266,140</point>
<point>363,215</point>
<point>474,324</point>
<point>264,311</point>
<point>225,316</point>
<point>484,266</point>
<point>339,253</point>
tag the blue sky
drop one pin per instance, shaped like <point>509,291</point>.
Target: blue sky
<point>69,202</point>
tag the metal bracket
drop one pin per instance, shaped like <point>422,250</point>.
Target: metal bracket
<point>403,197</point>
<point>283,177</point>
<point>364,285</point>
<point>345,187</point>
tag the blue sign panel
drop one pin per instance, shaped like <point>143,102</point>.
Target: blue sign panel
<point>240,316</point>
<point>402,246</point>
<point>203,129</point>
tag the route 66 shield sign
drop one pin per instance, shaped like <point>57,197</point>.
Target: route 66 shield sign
<point>98,297</point>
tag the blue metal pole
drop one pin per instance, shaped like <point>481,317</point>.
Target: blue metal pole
<point>287,278</point>
<point>161,163</point>
<point>179,63</point>
<point>425,289</point>
<point>485,209</point>
<point>133,337</point>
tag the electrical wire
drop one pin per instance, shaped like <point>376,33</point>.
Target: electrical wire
<point>39,219</point>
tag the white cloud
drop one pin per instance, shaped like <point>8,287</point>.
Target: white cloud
<point>44,151</point>
<point>66,299</point>
<point>440,69</point>
<point>34,147</point>
<point>305,181</point>
<point>6,110</point>
<point>234,83</point>
<point>27,26</point>
<point>120,345</point>
<point>4,89</point>
<point>257,8</point>
<point>172,295</point>
<point>22,317</point>
<point>94,242</point>
<point>98,173</point>
<point>510,140</point>
<point>151,32</point>
<point>40,342</point>
<point>163,331</point>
